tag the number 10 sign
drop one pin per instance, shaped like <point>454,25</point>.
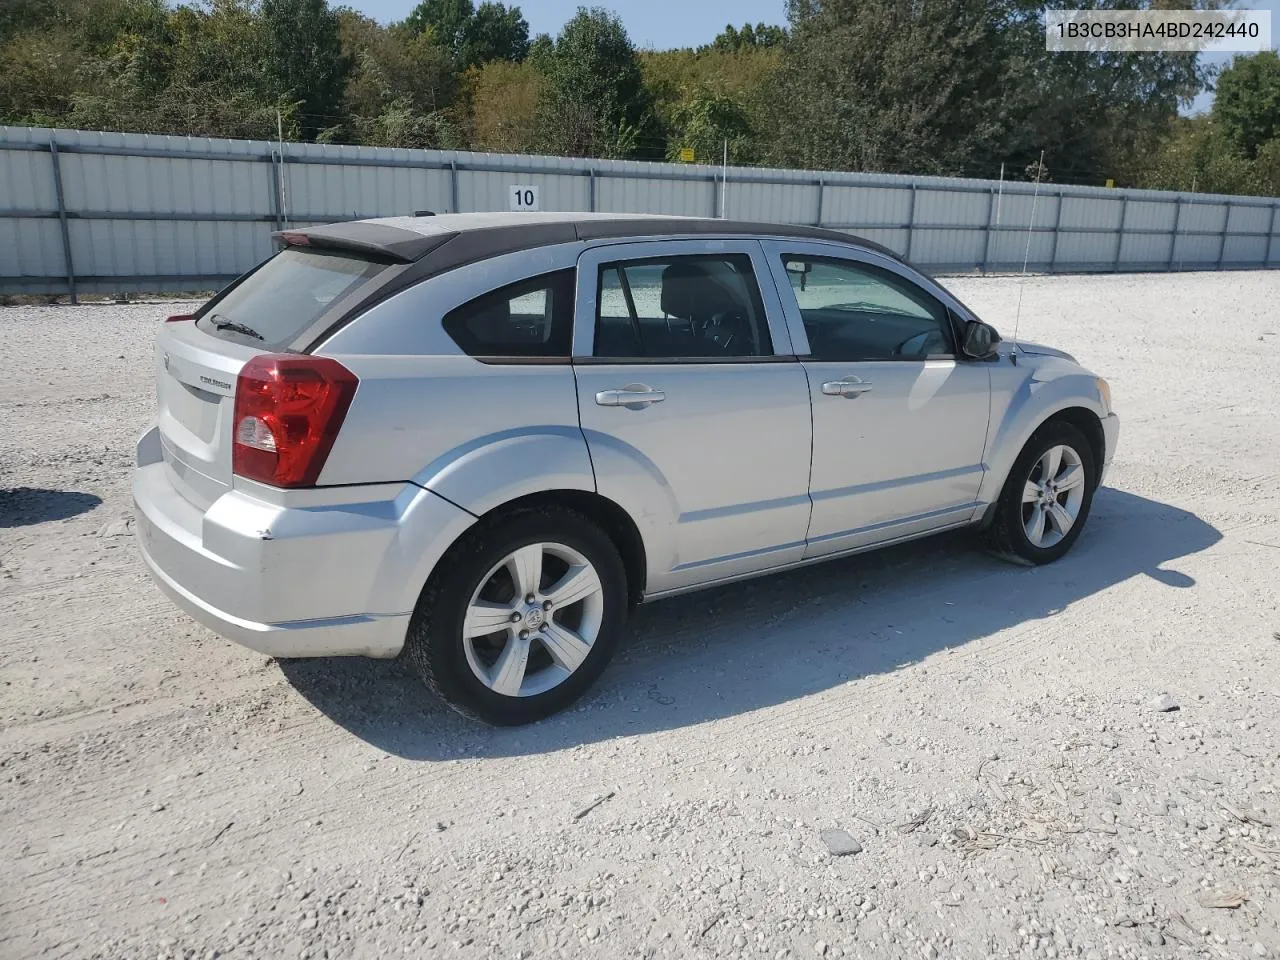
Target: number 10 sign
<point>522,197</point>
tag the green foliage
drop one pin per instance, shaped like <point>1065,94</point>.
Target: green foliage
<point>505,102</point>
<point>495,33</point>
<point>1247,104</point>
<point>473,35</point>
<point>914,86</point>
<point>732,40</point>
<point>707,123</point>
<point>304,59</point>
<point>595,102</point>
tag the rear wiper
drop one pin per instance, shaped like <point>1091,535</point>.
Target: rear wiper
<point>237,328</point>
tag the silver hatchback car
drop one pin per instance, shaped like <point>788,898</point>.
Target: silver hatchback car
<point>479,438</point>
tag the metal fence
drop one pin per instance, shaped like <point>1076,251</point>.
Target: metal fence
<point>112,212</point>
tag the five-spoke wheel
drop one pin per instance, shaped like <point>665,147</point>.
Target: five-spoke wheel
<point>533,619</point>
<point>521,615</point>
<point>1047,496</point>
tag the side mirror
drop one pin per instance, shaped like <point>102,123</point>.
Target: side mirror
<point>980,340</point>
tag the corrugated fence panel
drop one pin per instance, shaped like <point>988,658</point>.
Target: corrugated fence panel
<point>31,248</point>
<point>689,198</point>
<point>26,181</point>
<point>772,202</point>
<point>1147,251</point>
<point>153,212</point>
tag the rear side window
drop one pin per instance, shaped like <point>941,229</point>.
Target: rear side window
<point>698,307</point>
<point>279,300</point>
<point>532,318</point>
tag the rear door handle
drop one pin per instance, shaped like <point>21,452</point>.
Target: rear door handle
<point>634,395</point>
<point>851,387</point>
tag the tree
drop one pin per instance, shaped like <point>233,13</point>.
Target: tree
<point>731,40</point>
<point>506,99</point>
<point>446,19</point>
<point>394,64</point>
<point>595,102</point>
<point>1247,103</point>
<point>473,35</point>
<point>305,59</point>
<point>888,85</point>
<point>495,33</point>
<point>707,123</point>
<point>933,86</point>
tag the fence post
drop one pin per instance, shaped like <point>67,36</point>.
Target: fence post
<point>453,185</point>
<point>275,188</point>
<point>821,187</point>
<point>911,222</point>
<point>1222,241</point>
<point>1271,232</point>
<point>591,189</point>
<point>715,196</point>
<point>1057,223</point>
<point>1124,216</point>
<point>1173,244</point>
<point>986,247</point>
<point>62,218</point>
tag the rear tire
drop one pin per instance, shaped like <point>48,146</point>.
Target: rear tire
<point>1046,498</point>
<point>521,615</point>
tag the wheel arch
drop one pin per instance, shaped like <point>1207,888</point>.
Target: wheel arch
<point>1078,415</point>
<point>1089,424</point>
<point>616,523</point>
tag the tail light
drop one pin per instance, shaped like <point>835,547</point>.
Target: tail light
<point>288,410</point>
<point>178,317</point>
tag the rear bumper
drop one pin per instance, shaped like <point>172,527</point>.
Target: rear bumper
<point>1111,433</point>
<point>324,579</point>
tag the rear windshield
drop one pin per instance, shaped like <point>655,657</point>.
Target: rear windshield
<point>275,303</point>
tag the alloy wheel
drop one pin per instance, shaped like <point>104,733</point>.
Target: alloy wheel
<point>533,619</point>
<point>1052,496</point>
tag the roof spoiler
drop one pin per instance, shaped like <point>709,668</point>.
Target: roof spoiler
<point>376,240</point>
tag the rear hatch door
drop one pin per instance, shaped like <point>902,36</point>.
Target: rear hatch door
<point>197,361</point>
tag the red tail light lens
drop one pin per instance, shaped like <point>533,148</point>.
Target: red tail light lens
<point>178,317</point>
<point>288,411</point>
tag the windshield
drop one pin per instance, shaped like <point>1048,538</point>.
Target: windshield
<point>275,303</point>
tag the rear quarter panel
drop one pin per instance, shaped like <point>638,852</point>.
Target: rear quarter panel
<point>477,434</point>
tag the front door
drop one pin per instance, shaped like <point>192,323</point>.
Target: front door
<point>695,409</point>
<point>899,418</point>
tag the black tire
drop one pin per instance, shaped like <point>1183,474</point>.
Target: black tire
<point>1007,534</point>
<point>435,646</point>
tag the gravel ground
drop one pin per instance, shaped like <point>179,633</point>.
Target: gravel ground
<point>987,737</point>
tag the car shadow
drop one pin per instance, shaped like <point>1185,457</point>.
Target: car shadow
<point>25,506</point>
<point>757,643</point>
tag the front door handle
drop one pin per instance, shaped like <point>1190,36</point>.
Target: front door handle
<point>634,395</point>
<point>851,387</point>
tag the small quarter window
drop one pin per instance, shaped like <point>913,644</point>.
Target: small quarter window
<point>532,318</point>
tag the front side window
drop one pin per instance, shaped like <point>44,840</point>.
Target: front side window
<point>681,308</point>
<point>532,318</point>
<point>854,311</point>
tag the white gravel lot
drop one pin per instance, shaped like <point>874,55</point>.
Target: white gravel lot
<point>983,731</point>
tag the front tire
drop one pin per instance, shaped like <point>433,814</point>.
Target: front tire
<point>1047,496</point>
<point>521,616</point>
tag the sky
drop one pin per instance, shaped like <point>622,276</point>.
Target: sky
<point>660,24</point>
<point>663,24</point>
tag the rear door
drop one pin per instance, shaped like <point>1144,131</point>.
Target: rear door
<point>899,419</point>
<point>694,407</point>
<point>197,361</point>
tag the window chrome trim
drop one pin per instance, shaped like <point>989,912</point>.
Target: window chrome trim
<point>681,361</point>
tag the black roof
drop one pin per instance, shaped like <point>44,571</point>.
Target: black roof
<point>438,250</point>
